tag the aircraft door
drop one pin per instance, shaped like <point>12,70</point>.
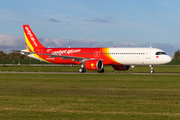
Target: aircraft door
<point>148,54</point>
<point>97,54</point>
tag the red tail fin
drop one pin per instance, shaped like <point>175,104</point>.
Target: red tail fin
<point>31,40</point>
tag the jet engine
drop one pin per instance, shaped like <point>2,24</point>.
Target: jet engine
<point>121,67</point>
<point>94,64</point>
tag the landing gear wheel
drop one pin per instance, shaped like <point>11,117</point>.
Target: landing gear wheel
<point>152,71</point>
<point>151,66</point>
<point>82,70</point>
<point>101,71</point>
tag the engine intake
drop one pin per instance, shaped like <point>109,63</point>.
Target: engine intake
<point>121,67</point>
<point>94,64</point>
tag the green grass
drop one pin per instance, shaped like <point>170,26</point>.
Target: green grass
<point>89,96</point>
<point>174,62</point>
<point>137,69</point>
<point>34,61</point>
<point>22,61</point>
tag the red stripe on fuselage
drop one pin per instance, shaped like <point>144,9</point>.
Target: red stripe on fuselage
<point>91,53</point>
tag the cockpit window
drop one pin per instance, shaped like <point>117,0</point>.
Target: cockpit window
<point>161,53</point>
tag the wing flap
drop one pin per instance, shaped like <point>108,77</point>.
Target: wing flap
<point>67,57</point>
<point>78,59</point>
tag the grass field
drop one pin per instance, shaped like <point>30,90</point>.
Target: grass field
<point>34,61</point>
<point>89,96</point>
<point>137,69</point>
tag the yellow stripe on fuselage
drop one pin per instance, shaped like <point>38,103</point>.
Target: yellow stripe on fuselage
<point>32,48</point>
<point>28,43</point>
<point>106,50</point>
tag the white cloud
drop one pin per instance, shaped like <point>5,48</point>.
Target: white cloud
<point>9,42</point>
<point>57,42</point>
<point>127,44</point>
<point>170,49</point>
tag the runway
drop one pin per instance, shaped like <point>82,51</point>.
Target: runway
<point>87,73</point>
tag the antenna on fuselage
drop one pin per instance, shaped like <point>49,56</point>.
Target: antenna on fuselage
<point>69,46</point>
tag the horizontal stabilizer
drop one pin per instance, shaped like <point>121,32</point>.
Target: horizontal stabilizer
<point>24,52</point>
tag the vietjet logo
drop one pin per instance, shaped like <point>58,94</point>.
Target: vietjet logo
<point>31,36</point>
<point>66,51</point>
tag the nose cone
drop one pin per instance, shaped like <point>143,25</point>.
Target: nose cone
<point>167,59</point>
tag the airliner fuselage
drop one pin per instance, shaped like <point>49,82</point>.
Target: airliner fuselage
<point>115,56</point>
<point>93,58</point>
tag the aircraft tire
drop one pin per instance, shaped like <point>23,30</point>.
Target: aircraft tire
<point>101,71</point>
<point>152,71</point>
<point>82,70</point>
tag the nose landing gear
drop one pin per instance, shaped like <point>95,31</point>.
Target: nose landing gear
<point>151,66</point>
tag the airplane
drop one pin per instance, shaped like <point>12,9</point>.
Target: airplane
<point>120,59</point>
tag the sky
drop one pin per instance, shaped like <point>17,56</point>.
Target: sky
<point>92,23</point>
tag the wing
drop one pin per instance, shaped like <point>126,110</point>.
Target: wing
<point>25,52</point>
<point>67,57</point>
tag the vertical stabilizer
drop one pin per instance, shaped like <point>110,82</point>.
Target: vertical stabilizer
<point>31,40</point>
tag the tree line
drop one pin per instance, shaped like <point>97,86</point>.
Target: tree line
<point>177,55</point>
<point>12,55</point>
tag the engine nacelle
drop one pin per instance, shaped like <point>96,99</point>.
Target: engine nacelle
<point>94,65</point>
<point>121,67</point>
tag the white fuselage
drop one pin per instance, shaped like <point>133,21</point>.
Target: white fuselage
<point>129,56</point>
<point>139,56</point>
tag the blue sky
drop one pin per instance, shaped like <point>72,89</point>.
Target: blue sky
<point>92,23</point>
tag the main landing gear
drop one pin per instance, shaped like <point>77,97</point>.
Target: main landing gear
<point>101,71</point>
<point>82,69</point>
<point>151,66</point>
